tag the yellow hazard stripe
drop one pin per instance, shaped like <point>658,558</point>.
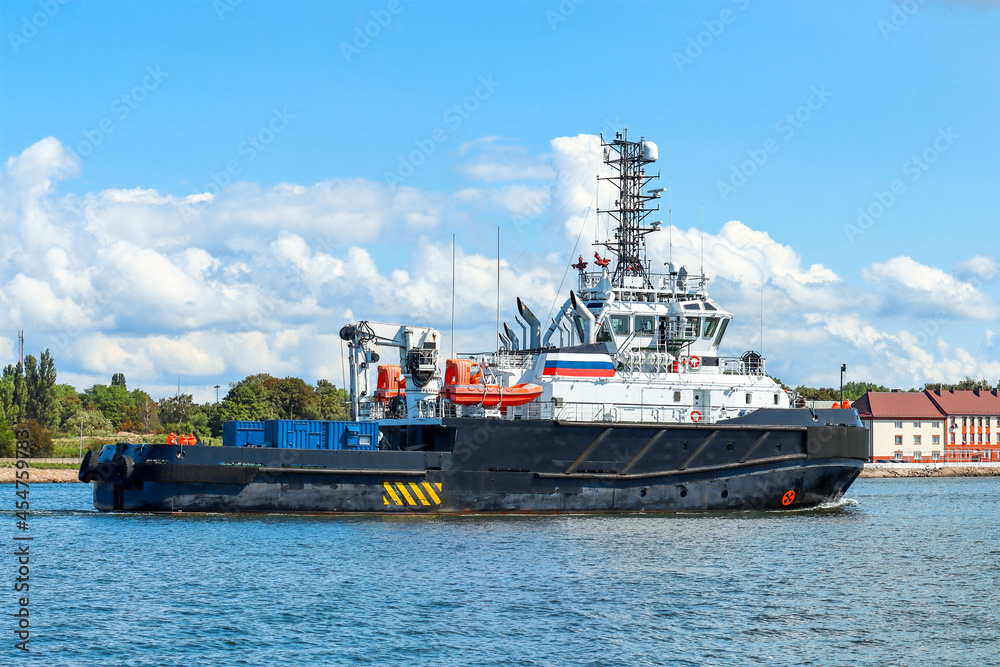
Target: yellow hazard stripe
<point>430,492</point>
<point>406,494</point>
<point>416,491</point>
<point>392,494</point>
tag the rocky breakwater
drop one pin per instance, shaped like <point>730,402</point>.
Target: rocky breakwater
<point>873,470</point>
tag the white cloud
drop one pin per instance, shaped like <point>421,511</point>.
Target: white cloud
<point>928,291</point>
<point>976,270</point>
<point>260,279</point>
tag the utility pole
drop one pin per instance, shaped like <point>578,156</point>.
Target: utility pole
<point>843,369</point>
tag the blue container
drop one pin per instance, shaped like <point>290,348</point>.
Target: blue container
<point>315,434</point>
<point>242,433</point>
<point>356,435</point>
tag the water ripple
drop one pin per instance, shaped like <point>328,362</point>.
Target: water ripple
<point>898,574</point>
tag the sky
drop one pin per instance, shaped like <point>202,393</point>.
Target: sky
<point>194,191</point>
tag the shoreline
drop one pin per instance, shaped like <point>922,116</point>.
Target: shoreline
<point>871,471</point>
<point>895,470</point>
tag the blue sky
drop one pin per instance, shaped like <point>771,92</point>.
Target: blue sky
<point>117,118</point>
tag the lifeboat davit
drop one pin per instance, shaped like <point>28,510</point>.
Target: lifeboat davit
<point>463,387</point>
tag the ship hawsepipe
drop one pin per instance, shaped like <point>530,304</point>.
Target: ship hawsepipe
<point>769,459</point>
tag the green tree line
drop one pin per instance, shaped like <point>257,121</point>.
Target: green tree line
<point>30,398</point>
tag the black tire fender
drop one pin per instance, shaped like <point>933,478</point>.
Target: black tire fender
<point>125,466</point>
<point>88,466</point>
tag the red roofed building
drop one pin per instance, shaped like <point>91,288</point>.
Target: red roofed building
<point>932,426</point>
<point>973,424</point>
<point>902,426</point>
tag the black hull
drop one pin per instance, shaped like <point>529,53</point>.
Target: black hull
<point>484,466</point>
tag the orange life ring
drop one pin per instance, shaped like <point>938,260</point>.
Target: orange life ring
<point>694,362</point>
<point>788,498</point>
<point>695,416</point>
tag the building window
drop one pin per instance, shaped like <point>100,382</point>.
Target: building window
<point>936,456</point>
<point>980,437</point>
<point>953,438</point>
<point>936,424</point>
<point>917,456</point>
<point>899,440</point>
<point>953,422</point>
<point>899,424</point>
<point>935,439</point>
<point>916,440</point>
<point>899,456</point>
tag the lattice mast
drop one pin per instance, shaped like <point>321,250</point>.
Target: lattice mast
<point>629,159</point>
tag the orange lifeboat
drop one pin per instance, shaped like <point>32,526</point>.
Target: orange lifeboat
<point>491,395</point>
<point>463,387</point>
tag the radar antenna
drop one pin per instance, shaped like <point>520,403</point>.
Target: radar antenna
<point>629,159</point>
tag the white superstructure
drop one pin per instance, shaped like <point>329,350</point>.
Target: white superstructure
<point>631,344</point>
<point>628,345</point>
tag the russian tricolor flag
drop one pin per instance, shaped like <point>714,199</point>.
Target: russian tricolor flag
<point>579,365</point>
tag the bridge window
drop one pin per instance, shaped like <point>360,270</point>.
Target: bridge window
<point>722,331</point>
<point>644,325</point>
<point>603,334</point>
<point>711,323</point>
<point>619,324</point>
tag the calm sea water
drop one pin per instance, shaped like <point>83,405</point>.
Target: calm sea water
<point>907,572</point>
